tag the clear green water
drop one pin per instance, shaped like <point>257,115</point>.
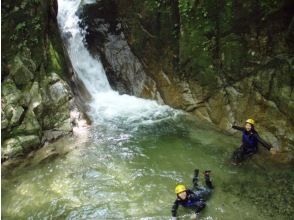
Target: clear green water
<point>116,173</point>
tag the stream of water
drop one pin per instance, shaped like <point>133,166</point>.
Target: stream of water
<point>127,163</point>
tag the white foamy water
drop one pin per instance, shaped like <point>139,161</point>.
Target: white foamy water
<point>106,105</point>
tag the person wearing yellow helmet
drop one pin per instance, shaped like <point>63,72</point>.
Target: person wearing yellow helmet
<point>194,198</point>
<point>250,140</point>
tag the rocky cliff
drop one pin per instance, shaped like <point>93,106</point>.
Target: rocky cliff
<point>35,97</point>
<point>223,61</point>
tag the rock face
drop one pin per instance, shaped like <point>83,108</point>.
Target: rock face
<point>35,98</point>
<point>223,61</point>
<point>105,39</point>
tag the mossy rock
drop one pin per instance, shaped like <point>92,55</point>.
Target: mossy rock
<point>4,120</point>
<point>21,72</point>
<point>10,93</point>
<point>28,142</point>
<point>11,148</point>
<point>29,125</point>
<point>17,146</point>
<point>17,112</point>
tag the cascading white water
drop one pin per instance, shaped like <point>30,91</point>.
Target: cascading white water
<point>106,105</point>
<point>89,70</point>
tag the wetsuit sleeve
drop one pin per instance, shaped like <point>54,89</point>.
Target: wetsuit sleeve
<point>238,128</point>
<point>175,208</point>
<point>263,142</point>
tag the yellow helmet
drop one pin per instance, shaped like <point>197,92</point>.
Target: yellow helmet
<point>250,121</point>
<point>180,188</point>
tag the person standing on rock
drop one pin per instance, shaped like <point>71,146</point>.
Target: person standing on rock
<point>195,198</point>
<point>250,140</point>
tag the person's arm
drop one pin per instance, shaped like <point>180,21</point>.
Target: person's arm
<point>238,128</point>
<point>263,142</point>
<point>175,208</point>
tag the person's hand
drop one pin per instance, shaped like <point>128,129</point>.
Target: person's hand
<point>194,216</point>
<point>273,151</point>
<point>173,218</point>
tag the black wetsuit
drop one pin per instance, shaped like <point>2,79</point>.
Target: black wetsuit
<point>249,145</point>
<point>196,198</point>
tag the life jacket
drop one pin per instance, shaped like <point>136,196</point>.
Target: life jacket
<point>189,203</point>
<point>250,141</point>
<point>191,200</point>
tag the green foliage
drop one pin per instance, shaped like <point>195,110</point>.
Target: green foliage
<point>198,40</point>
<point>206,38</point>
<point>20,26</point>
<point>35,1</point>
<point>153,4</point>
<point>25,34</point>
<point>23,23</point>
<point>185,8</point>
<point>162,6</point>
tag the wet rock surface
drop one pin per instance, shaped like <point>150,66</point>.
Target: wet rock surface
<point>106,40</point>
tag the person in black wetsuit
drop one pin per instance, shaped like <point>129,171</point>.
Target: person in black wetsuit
<point>250,140</point>
<point>194,198</point>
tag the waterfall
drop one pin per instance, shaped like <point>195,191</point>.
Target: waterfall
<point>107,105</point>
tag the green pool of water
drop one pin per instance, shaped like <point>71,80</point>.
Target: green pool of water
<point>119,173</point>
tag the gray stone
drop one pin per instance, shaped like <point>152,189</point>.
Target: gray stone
<point>16,111</point>
<point>59,93</point>
<point>35,96</point>
<point>53,78</point>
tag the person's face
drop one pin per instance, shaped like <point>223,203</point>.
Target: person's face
<point>248,127</point>
<point>183,195</point>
